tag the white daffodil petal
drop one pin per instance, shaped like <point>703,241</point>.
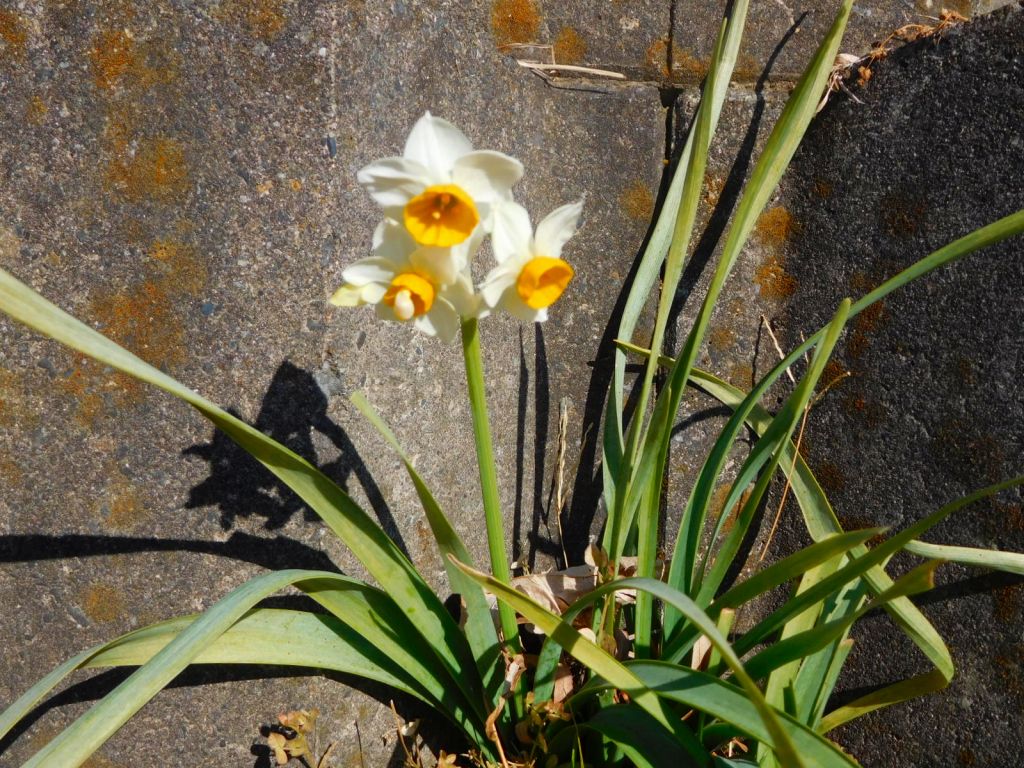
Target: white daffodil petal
<point>557,227</point>
<point>461,296</point>
<point>436,144</point>
<point>516,307</point>
<point>394,243</point>
<point>374,292</point>
<point>393,182</point>
<point>498,280</point>
<point>510,233</point>
<point>347,296</point>
<point>487,175</point>
<point>442,321</point>
<point>440,265</point>
<point>371,270</point>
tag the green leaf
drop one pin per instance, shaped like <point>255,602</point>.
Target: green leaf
<point>812,640</point>
<point>861,565</point>
<point>778,151</point>
<point>650,503</point>
<point>74,745</point>
<point>479,626</point>
<point>614,463</point>
<point>1009,562</point>
<point>270,636</point>
<point>768,450</point>
<point>706,693</point>
<point>381,557</point>
<point>600,662</point>
<point>83,737</point>
<point>641,737</point>
<point>821,520</point>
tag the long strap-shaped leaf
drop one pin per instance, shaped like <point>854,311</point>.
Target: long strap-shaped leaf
<point>779,149</point>
<point>695,514</point>
<point>479,625</point>
<point>803,644</point>
<point>821,521</point>
<point>83,737</point>
<point>773,444</point>
<point>274,636</point>
<point>646,743</point>
<point>648,524</point>
<point>726,702</point>
<point>354,527</point>
<point>601,663</point>
<point>655,252</point>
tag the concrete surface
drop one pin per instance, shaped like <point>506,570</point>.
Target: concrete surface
<point>932,409</point>
<point>183,176</point>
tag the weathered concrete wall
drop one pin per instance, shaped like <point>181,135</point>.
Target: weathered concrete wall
<point>183,177</point>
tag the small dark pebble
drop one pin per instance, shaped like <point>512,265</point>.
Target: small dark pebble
<point>332,146</point>
<point>208,308</point>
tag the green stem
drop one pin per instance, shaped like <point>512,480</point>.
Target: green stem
<point>488,475</point>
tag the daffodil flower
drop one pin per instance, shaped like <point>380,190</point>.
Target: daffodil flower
<point>441,189</point>
<point>427,286</point>
<point>531,275</point>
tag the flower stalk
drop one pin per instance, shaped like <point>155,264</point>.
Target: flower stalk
<point>488,474</point>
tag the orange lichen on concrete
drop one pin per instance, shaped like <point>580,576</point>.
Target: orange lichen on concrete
<point>569,47</point>
<point>1010,668</point>
<point>119,60</point>
<point>722,339</point>
<point>102,603</point>
<point>901,215</point>
<point>184,270</point>
<point>773,280</point>
<point>822,188</point>
<point>747,69</point>
<point>716,505</point>
<point>295,184</point>
<point>263,19</point>
<point>831,476</point>
<point>157,170</point>
<point>775,226</point>
<point>1006,602</point>
<point>857,406</point>
<point>144,321</point>
<point>10,472</point>
<point>13,35</point>
<point>35,112</point>
<point>637,201</point>
<point>514,21</point>
<point>675,63</point>
<point>113,55</point>
<point>13,406</point>
<point>121,507</point>
<point>713,186</point>
<point>740,375</point>
<point>832,374</point>
<point>690,67</point>
<point>83,384</point>
<point>864,325</point>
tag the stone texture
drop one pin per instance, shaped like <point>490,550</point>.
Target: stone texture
<point>932,409</point>
<point>183,177</point>
<point>782,35</point>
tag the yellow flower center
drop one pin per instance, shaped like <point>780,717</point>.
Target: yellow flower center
<point>409,295</point>
<point>542,281</point>
<point>442,216</point>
